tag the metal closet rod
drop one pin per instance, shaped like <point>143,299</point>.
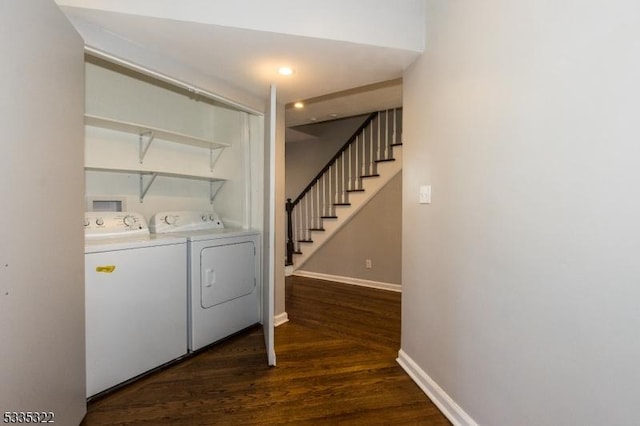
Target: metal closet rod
<point>191,89</point>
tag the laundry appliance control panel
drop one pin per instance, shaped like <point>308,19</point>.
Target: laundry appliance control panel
<point>184,221</point>
<point>114,224</point>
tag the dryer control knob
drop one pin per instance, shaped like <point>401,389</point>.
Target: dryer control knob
<point>87,222</point>
<point>99,221</point>
<point>170,220</point>
<point>129,220</point>
<point>212,217</point>
<point>204,218</point>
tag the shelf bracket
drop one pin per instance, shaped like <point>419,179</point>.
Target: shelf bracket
<point>144,147</point>
<point>214,154</point>
<point>214,187</point>
<point>145,188</point>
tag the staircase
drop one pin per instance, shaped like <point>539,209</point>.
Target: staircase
<point>364,164</point>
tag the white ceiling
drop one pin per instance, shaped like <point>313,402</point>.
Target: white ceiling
<point>247,59</point>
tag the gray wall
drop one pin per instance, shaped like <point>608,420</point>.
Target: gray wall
<point>374,233</point>
<point>521,279</point>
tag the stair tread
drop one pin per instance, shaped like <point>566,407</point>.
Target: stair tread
<point>341,182</point>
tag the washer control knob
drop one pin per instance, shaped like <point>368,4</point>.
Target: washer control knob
<point>212,217</point>
<point>87,222</point>
<point>99,221</point>
<point>170,220</point>
<point>129,220</point>
<point>204,217</point>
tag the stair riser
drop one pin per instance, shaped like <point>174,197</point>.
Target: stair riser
<point>374,154</point>
<point>372,186</point>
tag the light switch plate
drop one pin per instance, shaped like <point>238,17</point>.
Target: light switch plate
<point>424,196</point>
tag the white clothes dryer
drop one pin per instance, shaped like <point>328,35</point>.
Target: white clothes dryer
<point>135,299</point>
<point>224,265</point>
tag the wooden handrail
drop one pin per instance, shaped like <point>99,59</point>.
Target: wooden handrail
<point>334,158</point>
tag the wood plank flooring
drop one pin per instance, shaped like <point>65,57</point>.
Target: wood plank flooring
<point>335,365</point>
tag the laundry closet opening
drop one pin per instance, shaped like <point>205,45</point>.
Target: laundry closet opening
<point>174,201</point>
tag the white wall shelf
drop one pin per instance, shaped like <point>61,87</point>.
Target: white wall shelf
<point>147,135</point>
<point>139,129</point>
<point>150,175</point>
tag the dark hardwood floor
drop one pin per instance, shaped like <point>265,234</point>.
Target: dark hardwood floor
<point>335,365</point>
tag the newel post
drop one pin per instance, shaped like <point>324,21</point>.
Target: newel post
<point>289,232</point>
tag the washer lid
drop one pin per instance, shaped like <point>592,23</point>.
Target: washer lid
<point>99,245</point>
<point>218,234</point>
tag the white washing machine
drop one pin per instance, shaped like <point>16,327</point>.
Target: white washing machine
<point>135,298</point>
<point>225,290</point>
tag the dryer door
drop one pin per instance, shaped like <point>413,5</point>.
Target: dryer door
<point>228,272</point>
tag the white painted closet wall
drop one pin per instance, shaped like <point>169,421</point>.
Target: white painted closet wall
<point>114,95</point>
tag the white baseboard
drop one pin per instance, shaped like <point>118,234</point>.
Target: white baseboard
<point>288,270</point>
<point>444,402</point>
<point>280,319</point>
<point>348,280</point>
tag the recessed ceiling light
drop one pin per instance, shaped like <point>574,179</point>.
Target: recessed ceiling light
<point>285,71</point>
<point>333,115</point>
<point>298,105</point>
